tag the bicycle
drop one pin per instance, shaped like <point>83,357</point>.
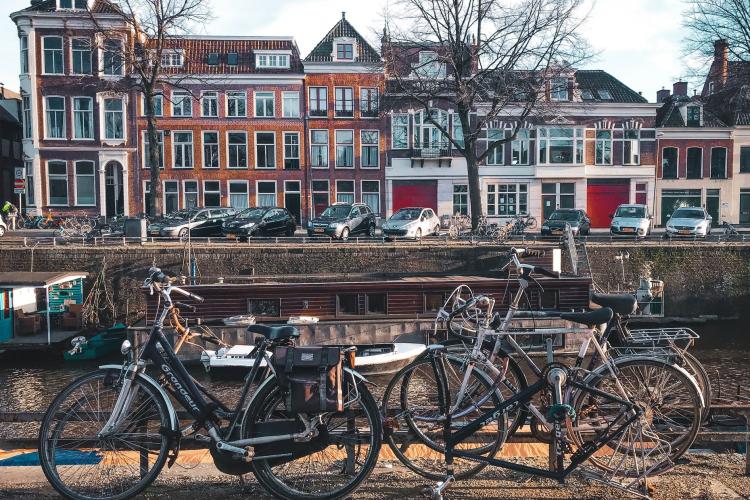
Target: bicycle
<point>458,225</point>
<point>730,231</point>
<point>109,433</point>
<point>521,223</point>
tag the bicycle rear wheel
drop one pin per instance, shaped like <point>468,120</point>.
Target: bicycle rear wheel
<point>81,464</point>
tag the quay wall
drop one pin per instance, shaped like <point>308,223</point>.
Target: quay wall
<point>701,278</point>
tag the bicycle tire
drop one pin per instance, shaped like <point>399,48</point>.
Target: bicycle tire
<point>265,404</point>
<point>697,370</point>
<point>109,381</point>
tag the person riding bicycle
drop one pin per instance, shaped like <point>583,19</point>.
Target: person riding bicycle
<point>10,212</point>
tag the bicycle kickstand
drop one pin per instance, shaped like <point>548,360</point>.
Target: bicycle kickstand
<point>436,492</point>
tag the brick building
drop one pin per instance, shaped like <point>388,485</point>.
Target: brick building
<point>10,144</point>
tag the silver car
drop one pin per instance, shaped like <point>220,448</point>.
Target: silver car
<point>3,227</point>
<point>693,221</point>
<point>412,222</point>
<point>633,220</point>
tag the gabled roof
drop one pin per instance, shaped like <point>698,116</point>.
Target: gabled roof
<point>99,7</point>
<point>595,81</point>
<point>324,50</point>
<point>669,114</point>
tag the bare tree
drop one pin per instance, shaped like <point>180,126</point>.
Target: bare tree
<point>493,59</point>
<point>154,29</point>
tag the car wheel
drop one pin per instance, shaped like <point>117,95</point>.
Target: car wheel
<point>371,231</point>
<point>183,234</point>
<point>437,231</point>
<point>345,234</point>
<point>2,231</point>
<point>418,234</point>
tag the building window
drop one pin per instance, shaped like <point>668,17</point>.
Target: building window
<point>27,126</point>
<point>272,60</point>
<point>85,185</point>
<point>344,191</point>
<point>74,4</point>
<point>344,148</point>
<point>693,116</point>
<point>264,105</point>
<point>290,104</point>
<point>320,197</point>
<point>559,89</point>
<point>158,103</point>
<point>457,130</point>
<point>57,178</point>
<point>604,94</point>
<point>344,51</point>
<point>603,147</point>
<point>318,101</point>
<point>211,194</point>
<point>429,66</point>
<point>182,104</point>
<point>376,303</point>
<point>53,55</point>
<point>557,195</point>
<point>266,193</point>
<point>745,160</point>
<point>114,119</point>
<point>695,163</point>
<point>237,104</point>
<point>265,150</point>
<point>426,134</point>
<point>182,149</point>
<point>83,118</point>
<point>460,199</point>
<point>172,59</point>
<point>368,102</point>
<point>112,58</point>
<point>669,159</point>
<point>147,149</point>
<point>370,144</point>
<point>507,200</point>
<point>55,117</point>
<point>210,104</point>
<point>344,102</point>
<point>520,148</point>
<point>371,195</point>
<point>718,163</point>
<point>191,194</point>
<point>213,59</point>
<point>81,51</point>
<point>233,59</point>
<point>641,193</point>
<point>171,196</point>
<point>24,54</point>
<point>238,194</point>
<point>210,150</point>
<point>264,307</point>
<point>146,195</point>
<point>237,142</point>
<point>631,148</point>
<point>560,145</point>
<point>30,200</point>
<point>400,131</point>
<point>291,150</point>
<point>319,148</point>
<point>496,155</point>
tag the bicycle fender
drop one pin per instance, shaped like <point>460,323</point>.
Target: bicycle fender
<point>175,423</point>
<point>357,375</point>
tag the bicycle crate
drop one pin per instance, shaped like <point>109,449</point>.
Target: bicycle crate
<point>654,336</point>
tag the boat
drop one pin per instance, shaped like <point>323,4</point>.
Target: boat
<point>371,359</point>
<point>98,346</point>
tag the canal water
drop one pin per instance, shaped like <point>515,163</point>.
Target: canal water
<point>29,383</point>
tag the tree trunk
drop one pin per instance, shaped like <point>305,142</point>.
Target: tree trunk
<point>475,194</point>
<point>154,207</point>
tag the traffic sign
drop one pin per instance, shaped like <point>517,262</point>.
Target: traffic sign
<point>19,186</point>
<point>20,174</point>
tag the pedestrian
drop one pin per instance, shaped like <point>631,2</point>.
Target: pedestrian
<point>10,211</point>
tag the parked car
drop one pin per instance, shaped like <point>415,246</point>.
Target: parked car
<point>412,223</point>
<point>631,220</point>
<point>3,227</point>
<point>197,222</point>
<point>342,220</point>
<point>262,221</point>
<point>693,221</point>
<point>577,219</point>
<point>157,224</point>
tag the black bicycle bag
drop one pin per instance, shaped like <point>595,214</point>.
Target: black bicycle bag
<point>310,377</point>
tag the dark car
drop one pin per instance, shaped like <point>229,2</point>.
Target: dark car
<point>201,222</point>
<point>263,221</point>
<point>341,220</point>
<point>577,219</point>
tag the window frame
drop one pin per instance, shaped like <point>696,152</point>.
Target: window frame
<point>239,97</point>
<point>51,177</point>
<point>157,96</point>
<point>206,191</point>
<point>558,93</point>
<point>363,145</point>
<point>123,115</point>
<point>47,136</point>
<point>298,145</point>
<point>258,182</point>
<point>229,146</point>
<point>265,146</point>
<point>369,113</point>
<point>61,52</point>
<point>264,58</point>
<point>496,192</point>
<point>544,142</point>
<point>605,142</point>
<point>185,193</point>
<point>73,52</point>
<point>353,192</point>
<point>362,194</point>
<point>394,127</point>
<point>89,115</point>
<point>726,163</point>
<point>216,144</point>
<point>184,97</point>
<point>144,155</point>
<point>92,177</point>
<point>316,111</point>
<point>463,195</point>
<point>28,127</point>
<point>744,168</point>
<point>238,182</point>
<point>184,147</point>
<point>490,159</point>
<point>103,63</point>
<point>327,148</point>
<point>258,99</point>
<point>24,54</point>
<point>524,142</point>
<point>168,58</point>
<point>677,163</point>
<point>687,163</point>
<point>341,113</point>
<point>284,111</point>
<point>214,96</point>
<point>338,144</point>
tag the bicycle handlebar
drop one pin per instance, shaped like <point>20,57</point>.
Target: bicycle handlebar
<point>187,307</point>
<point>193,296</point>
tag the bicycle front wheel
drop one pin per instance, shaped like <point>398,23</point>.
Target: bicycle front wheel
<point>82,463</point>
<point>335,462</point>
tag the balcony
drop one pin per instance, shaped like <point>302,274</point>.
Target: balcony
<point>440,151</point>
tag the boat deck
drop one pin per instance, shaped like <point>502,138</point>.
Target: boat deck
<point>39,341</point>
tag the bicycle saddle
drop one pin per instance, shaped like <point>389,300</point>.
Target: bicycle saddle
<point>590,318</point>
<point>620,303</point>
<point>274,332</point>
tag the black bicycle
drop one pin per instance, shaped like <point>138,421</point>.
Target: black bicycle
<point>109,433</point>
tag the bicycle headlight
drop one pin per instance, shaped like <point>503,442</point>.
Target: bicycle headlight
<point>126,347</point>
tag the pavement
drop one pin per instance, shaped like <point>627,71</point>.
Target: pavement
<point>706,476</point>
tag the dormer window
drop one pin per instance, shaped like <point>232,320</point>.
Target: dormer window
<point>271,60</point>
<point>429,65</point>
<point>559,89</point>
<point>72,4</point>
<point>213,59</point>
<point>711,88</point>
<point>172,59</point>
<point>604,95</point>
<point>587,95</point>
<point>344,51</point>
<point>693,116</point>
<point>233,59</point>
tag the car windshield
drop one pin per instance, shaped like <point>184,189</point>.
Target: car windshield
<point>688,213</point>
<point>569,216</point>
<point>180,214</point>
<point>337,211</point>
<point>251,213</point>
<point>631,212</point>
<point>407,214</point>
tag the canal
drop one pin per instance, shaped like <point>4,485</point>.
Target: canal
<point>29,383</point>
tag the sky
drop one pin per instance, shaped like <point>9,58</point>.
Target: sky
<point>637,41</point>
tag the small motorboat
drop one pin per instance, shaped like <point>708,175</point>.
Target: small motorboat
<point>98,346</point>
<point>371,359</point>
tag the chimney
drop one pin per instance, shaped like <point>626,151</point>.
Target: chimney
<point>662,95</point>
<point>720,67</point>
<point>680,89</point>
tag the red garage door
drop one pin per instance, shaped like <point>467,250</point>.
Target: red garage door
<point>414,194</point>
<point>603,198</point>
